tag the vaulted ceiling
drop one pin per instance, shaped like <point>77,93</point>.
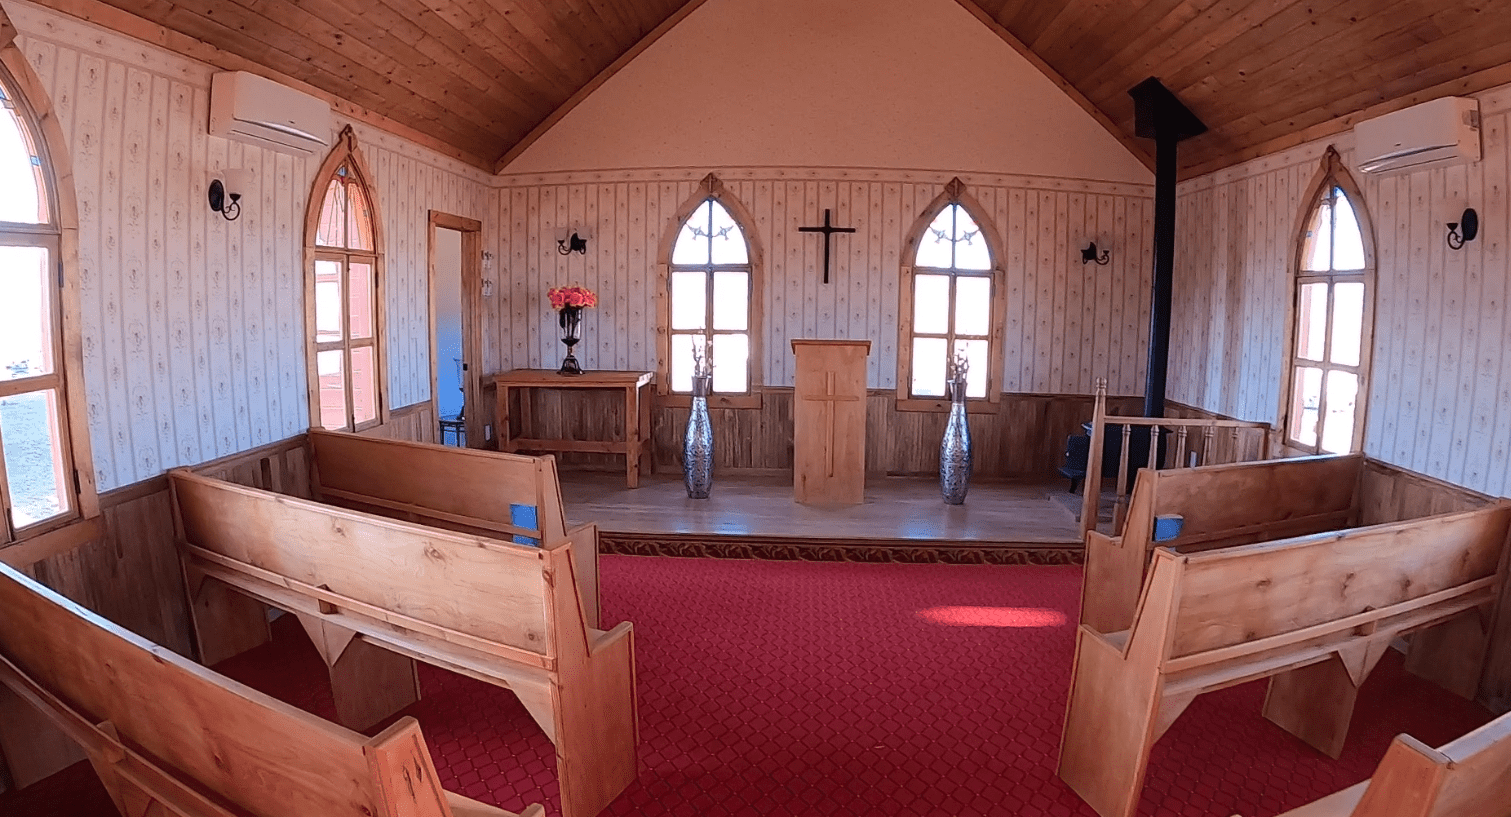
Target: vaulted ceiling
<point>480,79</point>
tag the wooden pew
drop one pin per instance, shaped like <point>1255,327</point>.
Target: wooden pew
<point>375,594</point>
<point>1314,614</point>
<point>1468,777</point>
<point>169,737</point>
<point>1219,506</point>
<point>501,496</point>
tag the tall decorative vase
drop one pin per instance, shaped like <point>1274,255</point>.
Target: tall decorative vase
<point>570,320</point>
<point>698,443</point>
<point>955,449</point>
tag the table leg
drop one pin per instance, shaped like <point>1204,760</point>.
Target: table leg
<point>631,437</point>
<point>647,443</point>
<point>501,420</point>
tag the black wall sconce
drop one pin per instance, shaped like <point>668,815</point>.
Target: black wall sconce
<point>573,244</point>
<point>1464,230</point>
<point>1089,255</point>
<point>225,196</point>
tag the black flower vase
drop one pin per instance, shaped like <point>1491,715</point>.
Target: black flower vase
<point>571,332</point>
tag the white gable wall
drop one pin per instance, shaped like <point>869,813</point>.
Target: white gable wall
<point>898,84</point>
<point>865,109</point>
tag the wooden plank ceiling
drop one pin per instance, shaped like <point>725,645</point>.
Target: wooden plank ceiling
<point>480,79</point>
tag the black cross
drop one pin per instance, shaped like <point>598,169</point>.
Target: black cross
<point>828,230</point>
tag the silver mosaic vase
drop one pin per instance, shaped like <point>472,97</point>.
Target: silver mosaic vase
<point>955,449</point>
<point>698,443</point>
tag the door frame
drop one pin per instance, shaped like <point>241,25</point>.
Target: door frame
<point>472,330</point>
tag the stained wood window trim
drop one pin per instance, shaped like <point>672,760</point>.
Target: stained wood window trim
<point>346,155</point>
<point>955,193</point>
<point>57,234</point>
<point>1331,175</point>
<point>711,188</point>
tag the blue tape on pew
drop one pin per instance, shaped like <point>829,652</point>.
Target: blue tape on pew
<point>524,516</point>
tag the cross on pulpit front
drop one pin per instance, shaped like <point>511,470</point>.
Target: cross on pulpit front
<point>829,421</point>
<point>826,411</point>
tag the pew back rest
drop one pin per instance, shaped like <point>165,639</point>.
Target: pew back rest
<point>266,757</point>
<point>488,589</point>
<point>467,485</point>
<point>1477,781</point>
<point>1250,501</point>
<point>1234,596</point>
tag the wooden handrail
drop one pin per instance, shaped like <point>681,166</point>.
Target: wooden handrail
<point>1100,420</point>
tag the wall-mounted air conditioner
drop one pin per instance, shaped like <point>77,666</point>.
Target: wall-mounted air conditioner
<point>259,111</point>
<point>1439,132</point>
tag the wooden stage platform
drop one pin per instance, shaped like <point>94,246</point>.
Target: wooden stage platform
<point>902,519</point>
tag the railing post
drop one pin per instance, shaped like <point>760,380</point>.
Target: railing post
<point>1091,486</point>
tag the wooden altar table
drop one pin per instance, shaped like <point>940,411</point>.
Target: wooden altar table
<point>634,439</point>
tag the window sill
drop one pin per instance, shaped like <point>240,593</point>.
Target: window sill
<point>52,541</point>
<point>715,401</point>
<point>942,406</point>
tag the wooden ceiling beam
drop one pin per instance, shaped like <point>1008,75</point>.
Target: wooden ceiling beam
<point>1093,45</point>
<point>274,45</point>
<point>1174,40</point>
<point>513,48</point>
<point>452,49</point>
<point>1074,17</point>
<point>115,19</point>
<point>1387,91</point>
<point>481,64</point>
<point>1286,39</point>
<point>603,76</point>
<point>1125,137</point>
<point>536,24</point>
<point>1375,59</point>
<point>1460,86</point>
<point>345,38</point>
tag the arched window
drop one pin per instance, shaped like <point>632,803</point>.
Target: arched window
<point>711,296</point>
<point>1333,310</point>
<point>39,480</point>
<point>949,308</point>
<point>345,283</point>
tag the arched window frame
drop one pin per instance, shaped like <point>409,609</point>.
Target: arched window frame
<point>955,192</point>
<point>1331,173</point>
<point>345,152</point>
<point>61,235</point>
<point>711,188</point>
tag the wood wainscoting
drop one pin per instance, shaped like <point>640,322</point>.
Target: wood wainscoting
<point>1021,437</point>
<point>418,423</point>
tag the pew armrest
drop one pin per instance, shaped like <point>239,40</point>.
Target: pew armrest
<point>600,640</point>
<point>467,807</point>
<point>1337,804</point>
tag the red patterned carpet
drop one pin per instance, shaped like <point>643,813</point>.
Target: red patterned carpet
<point>773,688</point>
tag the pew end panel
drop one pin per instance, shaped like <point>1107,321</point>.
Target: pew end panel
<point>1468,777</point>
<point>599,725</point>
<point>168,736</point>
<point>1312,613</point>
<point>511,615</point>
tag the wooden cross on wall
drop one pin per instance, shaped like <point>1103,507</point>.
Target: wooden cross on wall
<point>828,230</point>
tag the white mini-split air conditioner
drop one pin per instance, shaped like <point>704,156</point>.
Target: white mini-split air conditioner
<point>259,111</point>
<point>1439,132</point>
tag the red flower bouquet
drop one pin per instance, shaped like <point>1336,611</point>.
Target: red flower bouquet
<point>579,297</point>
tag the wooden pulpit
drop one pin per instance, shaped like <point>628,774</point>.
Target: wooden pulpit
<point>829,421</point>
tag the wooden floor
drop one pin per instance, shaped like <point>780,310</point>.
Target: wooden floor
<point>896,509</point>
